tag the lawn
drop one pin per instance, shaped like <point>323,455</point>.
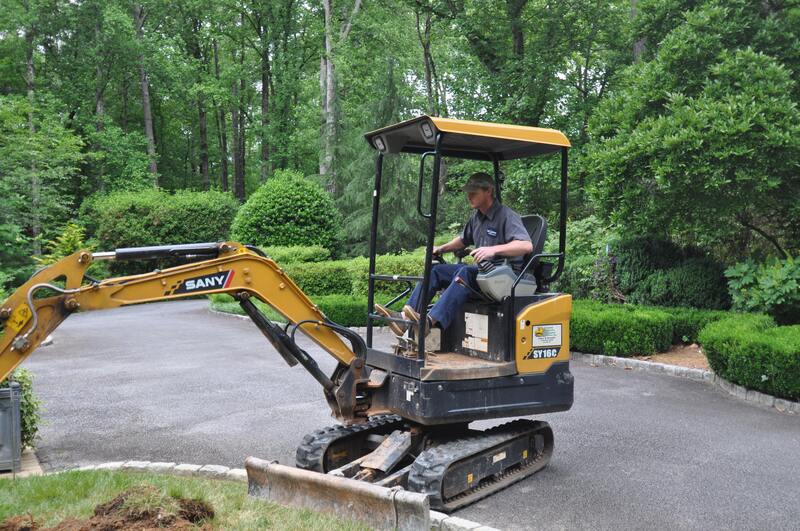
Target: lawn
<point>52,498</point>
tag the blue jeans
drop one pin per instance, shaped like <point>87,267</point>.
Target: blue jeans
<point>442,276</point>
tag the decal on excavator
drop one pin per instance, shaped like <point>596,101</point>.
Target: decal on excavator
<point>204,282</point>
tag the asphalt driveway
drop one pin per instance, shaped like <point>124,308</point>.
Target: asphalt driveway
<point>172,382</point>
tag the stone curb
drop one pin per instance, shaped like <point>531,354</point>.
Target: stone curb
<point>698,375</point>
<point>439,521</point>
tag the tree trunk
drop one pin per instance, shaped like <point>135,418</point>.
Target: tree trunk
<point>237,161</point>
<point>424,36</point>
<point>639,45</point>
<point>237,119</point>
<point>514,9</point>
<point>138,17</point>
<point>222,129</point>
<point>201,111</point>
<point>265,84</point>
<point>327,86</point>
<point>125,85</point>
<point>36,222</point>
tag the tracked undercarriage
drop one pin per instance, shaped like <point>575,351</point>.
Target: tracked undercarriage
<point>452,465</point>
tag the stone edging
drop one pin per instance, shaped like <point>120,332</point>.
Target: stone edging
<point>699,375</point>
<point>439,521</point>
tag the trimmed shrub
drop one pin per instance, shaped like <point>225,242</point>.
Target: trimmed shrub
<point>322,278</point>
<point>688,322</point>
<point>29,406</point>
<point>406,264</point>
<point>751,351</point>
<point>298,253</point>
<point>619,330</point>
<point>698,282</point>
<point>639,257</point>
<point>773,288</point>
<point>288,210</point>
<point>345,310</point>
<point>155,217</point>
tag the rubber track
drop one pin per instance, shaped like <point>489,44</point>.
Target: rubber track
<point>430,468</point>
<point>311,452</point>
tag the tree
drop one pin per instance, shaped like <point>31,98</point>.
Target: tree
<point>703,140</point>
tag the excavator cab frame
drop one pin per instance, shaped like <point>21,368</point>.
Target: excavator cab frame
<point>445,137</point>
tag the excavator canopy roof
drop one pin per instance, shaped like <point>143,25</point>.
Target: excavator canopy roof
<point>467,139</point>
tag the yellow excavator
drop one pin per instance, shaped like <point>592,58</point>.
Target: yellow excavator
<point>404,414</point>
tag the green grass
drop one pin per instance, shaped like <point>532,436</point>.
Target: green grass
<point>52,498</point>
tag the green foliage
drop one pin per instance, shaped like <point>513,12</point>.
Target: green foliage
<point>30,406</point>
<point>15,261</point>
<point>288,210</point>
<point>697,282</point>
<point>639,257</point>
<point>703,139</point>
<point>154,217</point>
<point>619,330</point>
<point>751,351</point>
<point>298,253</point>
<point>688,322</point>
<point>71,240</point>
<point>586,242</point>
<point>322,278</point>
<point>346,310</point>
<point>772,287</point>
<point>39,157</point>
<point>656,271</point>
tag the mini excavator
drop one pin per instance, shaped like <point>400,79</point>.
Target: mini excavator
<point>404,415</point>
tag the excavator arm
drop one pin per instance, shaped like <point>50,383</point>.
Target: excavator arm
<point>37,307</point>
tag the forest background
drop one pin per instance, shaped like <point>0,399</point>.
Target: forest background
<point>682,115</point>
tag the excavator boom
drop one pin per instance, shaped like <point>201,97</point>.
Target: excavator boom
<point>37,307</point>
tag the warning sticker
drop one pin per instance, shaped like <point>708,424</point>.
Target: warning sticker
<point>476,332</point>
<point>546,335</point>
<point>21,315</point>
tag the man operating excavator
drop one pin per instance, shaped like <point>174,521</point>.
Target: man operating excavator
<point>498,234</point>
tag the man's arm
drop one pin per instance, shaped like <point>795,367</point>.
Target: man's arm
<point>453,245</point>
<point>510,249</point>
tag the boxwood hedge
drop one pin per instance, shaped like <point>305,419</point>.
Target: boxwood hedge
<point>617,330</point>
<point>751,351</point>
<point>345,310</point>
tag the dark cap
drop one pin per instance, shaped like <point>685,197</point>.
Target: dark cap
<point>477,181</point>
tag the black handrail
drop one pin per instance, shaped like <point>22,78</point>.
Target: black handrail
<point>373,239</point>
<point>420,183</point>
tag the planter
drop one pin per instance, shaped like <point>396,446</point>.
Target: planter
<point>10,433</point>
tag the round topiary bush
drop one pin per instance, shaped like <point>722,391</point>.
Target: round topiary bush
<point>288,210</point>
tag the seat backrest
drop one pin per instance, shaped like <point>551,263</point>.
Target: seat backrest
<point>536,226</point>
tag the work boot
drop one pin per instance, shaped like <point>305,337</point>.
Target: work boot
<point>397,328</point>
<point>412,315</point>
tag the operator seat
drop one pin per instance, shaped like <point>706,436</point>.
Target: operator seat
<point>496,283</point>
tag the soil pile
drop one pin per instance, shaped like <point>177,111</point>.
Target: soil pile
<point>139,509</point>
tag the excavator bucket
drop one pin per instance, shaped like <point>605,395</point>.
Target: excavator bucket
<point>378,507</point>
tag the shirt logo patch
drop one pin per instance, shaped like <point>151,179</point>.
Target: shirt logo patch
<point>491,232</point>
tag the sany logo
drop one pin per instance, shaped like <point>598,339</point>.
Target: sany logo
<point>205,282</point>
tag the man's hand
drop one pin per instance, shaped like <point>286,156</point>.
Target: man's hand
<point>483,253</point>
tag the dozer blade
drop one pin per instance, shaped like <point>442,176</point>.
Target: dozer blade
<point>378,507</point>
